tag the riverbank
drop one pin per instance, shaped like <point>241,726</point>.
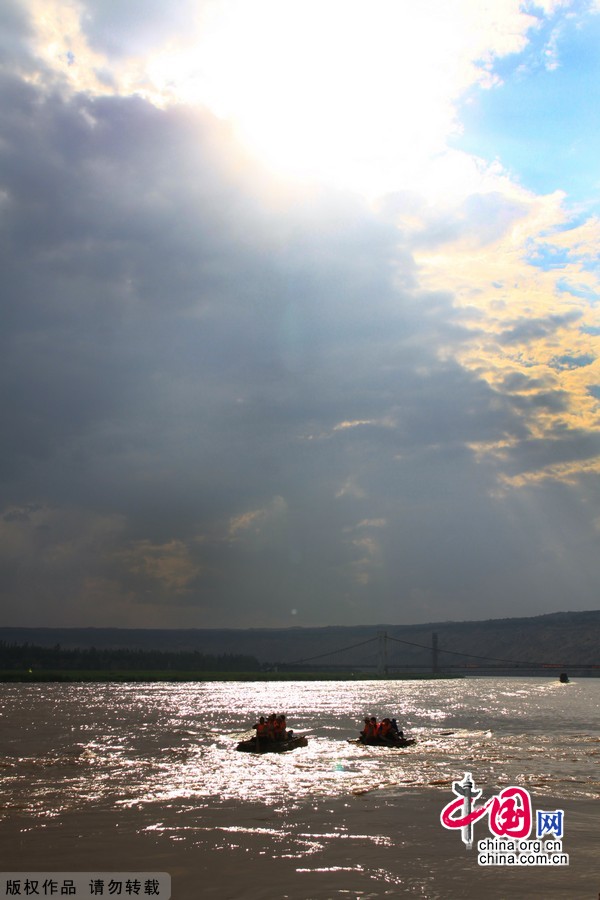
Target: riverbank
<point>118,676</point>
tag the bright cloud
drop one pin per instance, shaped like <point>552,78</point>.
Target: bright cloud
<point>352,93</point>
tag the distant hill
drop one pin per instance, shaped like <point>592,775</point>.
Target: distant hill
<point>562,639</point>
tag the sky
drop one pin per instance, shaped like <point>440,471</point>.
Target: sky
<point>299,309</point>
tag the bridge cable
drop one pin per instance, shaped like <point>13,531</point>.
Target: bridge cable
<point>331,652</point>
<point>473,655</point>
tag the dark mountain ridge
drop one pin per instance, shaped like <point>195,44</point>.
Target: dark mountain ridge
<point>557,639</point>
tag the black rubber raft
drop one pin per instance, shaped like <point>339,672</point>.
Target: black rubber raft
<point>377,742</point>
<point>267,746</point>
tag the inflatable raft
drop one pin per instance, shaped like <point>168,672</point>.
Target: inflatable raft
<point>252,745</point>
<point>381,742</point>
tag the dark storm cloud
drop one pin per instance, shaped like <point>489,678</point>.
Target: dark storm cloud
<point>561,448</point>
<point>15,30</point>
<point>224,402</point>
<point>528,329</point>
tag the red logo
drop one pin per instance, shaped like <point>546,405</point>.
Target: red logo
<point>509,812</point>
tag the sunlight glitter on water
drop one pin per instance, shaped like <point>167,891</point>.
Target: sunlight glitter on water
<point>140,745</point>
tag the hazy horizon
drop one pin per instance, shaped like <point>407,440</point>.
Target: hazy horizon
<point>333,625</point>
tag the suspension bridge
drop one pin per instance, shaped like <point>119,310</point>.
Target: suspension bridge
<point>381,656</point>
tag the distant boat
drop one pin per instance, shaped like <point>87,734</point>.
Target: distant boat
<point>563,678</point>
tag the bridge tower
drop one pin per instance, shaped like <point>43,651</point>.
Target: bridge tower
<point>382,663</point>
<point>434,654</point>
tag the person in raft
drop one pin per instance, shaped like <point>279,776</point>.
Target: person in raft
<point>397,731</point>
<point>274,728</point>
<point>261,728</point>
<point>386,731</point>
<point>369,732</point>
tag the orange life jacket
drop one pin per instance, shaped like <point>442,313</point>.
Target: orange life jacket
<point>370,731</point>
<point>279,728</point>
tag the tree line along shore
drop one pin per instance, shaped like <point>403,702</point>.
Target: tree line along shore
<point>90,662</point>
<point>31,663</point>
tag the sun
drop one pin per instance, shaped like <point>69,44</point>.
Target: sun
<point>349,93</point>
<point>358,94</point>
